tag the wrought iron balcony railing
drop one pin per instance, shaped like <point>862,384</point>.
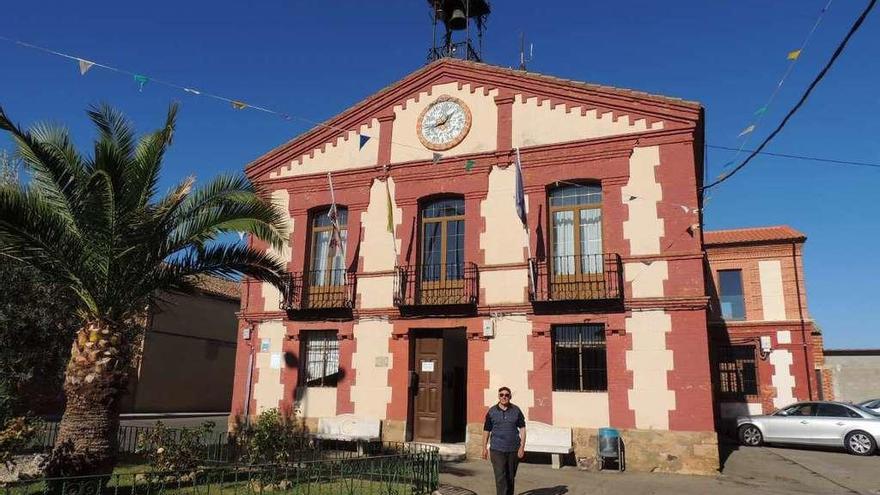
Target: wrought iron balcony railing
<point>590,277</point>
<point>446,284</point>
<point>318,289</point>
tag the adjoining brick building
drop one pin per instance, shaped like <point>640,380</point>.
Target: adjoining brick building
<point>595,317</point>
<point>766,350</point>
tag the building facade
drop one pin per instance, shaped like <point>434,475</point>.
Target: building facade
<point>590,304</point>
<point>851,374</point>
<point>767,352</point>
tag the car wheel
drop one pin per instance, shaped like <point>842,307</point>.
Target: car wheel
<point>859,443</point>
<point>750,435</point>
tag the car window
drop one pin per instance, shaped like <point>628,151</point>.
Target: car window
<point>802,410</point>
<point>836,411</point>
<point>873,404</point>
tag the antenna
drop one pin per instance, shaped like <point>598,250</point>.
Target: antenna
<point>523,60</point>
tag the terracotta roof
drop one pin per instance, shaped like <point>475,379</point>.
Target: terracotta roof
<point>751,235</point>
<point>217,286</point>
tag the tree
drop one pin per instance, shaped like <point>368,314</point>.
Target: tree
<point>97,227</point>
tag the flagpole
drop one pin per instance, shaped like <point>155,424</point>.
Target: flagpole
<point>526,224</point>
<point>336,221</point>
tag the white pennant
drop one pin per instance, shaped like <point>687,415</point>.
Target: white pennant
<point>84,66</point>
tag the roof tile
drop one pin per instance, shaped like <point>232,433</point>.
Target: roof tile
<point>751,235</point>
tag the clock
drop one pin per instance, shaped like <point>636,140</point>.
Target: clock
<point>444,123</point>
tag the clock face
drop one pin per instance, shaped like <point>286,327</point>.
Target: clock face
<point>444,123</point>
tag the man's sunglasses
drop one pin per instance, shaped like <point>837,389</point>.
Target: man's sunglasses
<point>503,395</point>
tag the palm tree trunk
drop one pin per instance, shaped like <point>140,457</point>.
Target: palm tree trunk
<point>87,440</point>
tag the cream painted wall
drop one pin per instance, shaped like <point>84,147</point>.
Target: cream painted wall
<point>504,240</point>
<point>370,392</point>
<point>341,154</point>
<point>772,296</point>
<point>376,292</point>
<point>504,286</point>
<point>317,402</point>
<point>271,295</point>
<point>782,378</point>
<point>580,409</point>
<point>509,361</point>
<point>536,122</point>
<point>647,280</point>
<point>643,229</point>
<point>268,391</point>
<point>379,246</point>
<point>649,360</point>
<point>483,134</point>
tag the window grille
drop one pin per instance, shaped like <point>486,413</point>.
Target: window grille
<point>737,371</point>
<point>579,358</point>
<point>320,358</point>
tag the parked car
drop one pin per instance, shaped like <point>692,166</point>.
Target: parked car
<point>873,404</point>
<point>814,423</point>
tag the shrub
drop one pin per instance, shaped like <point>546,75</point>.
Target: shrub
<point>16,436</point>
<point>179,450</point>
<point>272,438</point>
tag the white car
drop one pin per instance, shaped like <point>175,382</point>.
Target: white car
<point>873,404</point>
<point>833,424</point>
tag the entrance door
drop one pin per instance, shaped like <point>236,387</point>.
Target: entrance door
<point>428,362</point>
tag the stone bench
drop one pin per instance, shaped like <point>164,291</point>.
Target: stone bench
<point>349,428</point>
<point>555,440</point>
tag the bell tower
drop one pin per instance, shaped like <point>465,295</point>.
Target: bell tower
<point>458,16</point>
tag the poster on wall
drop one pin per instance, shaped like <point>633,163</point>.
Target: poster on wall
<point>275,361</point>
<point>264,345</point>
<point>428,366</point>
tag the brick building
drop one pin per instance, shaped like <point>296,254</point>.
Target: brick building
<point>766,350</point>
<point>594,315</point>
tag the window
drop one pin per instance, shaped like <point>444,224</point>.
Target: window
<point>320,358</point>
<point>738,374</point>
<point>579,360</point>
<point>442,240</point>
<point>836,411</point>
<point>327,264</point>
<point>808,409</point>
<point>576,224</point>
<point>733,305</point>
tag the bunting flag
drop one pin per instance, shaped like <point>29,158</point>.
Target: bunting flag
<point>731,162</point>
<point>364,140</point>
<point>632,198</point>
<point>84,66</point>
<point>193,91</point>
<point>469,165</point>
<point>747,130</point>
<point>241,236</point>
<point>336,233</point>
<point>794,55</point>
<point>436,158</point>
<point>760,111</point>
<point>141,81</point>
<point>239,105</point>
<point>520,194</point>
<point>390,207</point>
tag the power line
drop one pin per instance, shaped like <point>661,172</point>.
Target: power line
<point>855,27</point>
<point>800,157</point>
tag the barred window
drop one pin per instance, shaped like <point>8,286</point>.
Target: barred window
<point>579,359</point>
<point>320,358</point>
<point>738,373</point>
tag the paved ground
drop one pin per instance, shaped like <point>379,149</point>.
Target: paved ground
<point>775,471</point>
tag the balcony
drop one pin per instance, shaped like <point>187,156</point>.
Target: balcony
<point>573,278</point>
<point>318,290</point>
<point>449,285</point>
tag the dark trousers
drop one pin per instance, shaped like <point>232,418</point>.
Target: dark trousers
<point>504,464</point>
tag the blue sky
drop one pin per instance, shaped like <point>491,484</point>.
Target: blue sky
<point>314,59</point>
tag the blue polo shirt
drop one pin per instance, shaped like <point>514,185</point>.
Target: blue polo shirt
<point>504,426</point>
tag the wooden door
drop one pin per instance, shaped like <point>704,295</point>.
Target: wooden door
<point>428,400</point>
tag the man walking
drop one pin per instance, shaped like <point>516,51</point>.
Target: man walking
<point>505,429</point>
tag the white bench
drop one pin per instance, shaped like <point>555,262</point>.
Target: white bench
<point>555,440</point>
<point>349,428</point>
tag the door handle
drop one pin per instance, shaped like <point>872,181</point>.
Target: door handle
<point>804,421</point>
<point>840,423</point>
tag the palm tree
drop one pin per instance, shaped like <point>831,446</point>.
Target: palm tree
<point>97,227</point>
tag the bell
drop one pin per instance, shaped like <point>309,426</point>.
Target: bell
<point>457,21</point>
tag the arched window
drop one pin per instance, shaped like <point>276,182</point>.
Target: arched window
<point>327,263</point>
<point>442,240</point>
<point>576,226</point>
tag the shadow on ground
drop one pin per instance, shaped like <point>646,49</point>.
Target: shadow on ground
<point>556,490</point>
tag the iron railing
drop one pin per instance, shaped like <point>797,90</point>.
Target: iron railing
<point>441,284</point>
<point>591,277</point>
<point>463,50</point>
<point>318,289</point>
<point>386,468</point>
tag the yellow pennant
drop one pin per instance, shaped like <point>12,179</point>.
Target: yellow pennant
<point>794,55</point>
<point>239,105</point>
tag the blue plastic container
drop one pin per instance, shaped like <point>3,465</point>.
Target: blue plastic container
<point>609,443</point>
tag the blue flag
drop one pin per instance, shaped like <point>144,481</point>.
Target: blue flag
<point>364,140</point>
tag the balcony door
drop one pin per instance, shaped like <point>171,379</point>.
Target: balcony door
<point>441,271</point>
<point>326,276</point>
<point>576,263</point>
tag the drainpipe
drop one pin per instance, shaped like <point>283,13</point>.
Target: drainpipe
<point>797,282</point>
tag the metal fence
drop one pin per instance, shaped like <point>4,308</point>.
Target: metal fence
<point>318,290</point>
<point>440,284</point>
<point>591,277</point>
